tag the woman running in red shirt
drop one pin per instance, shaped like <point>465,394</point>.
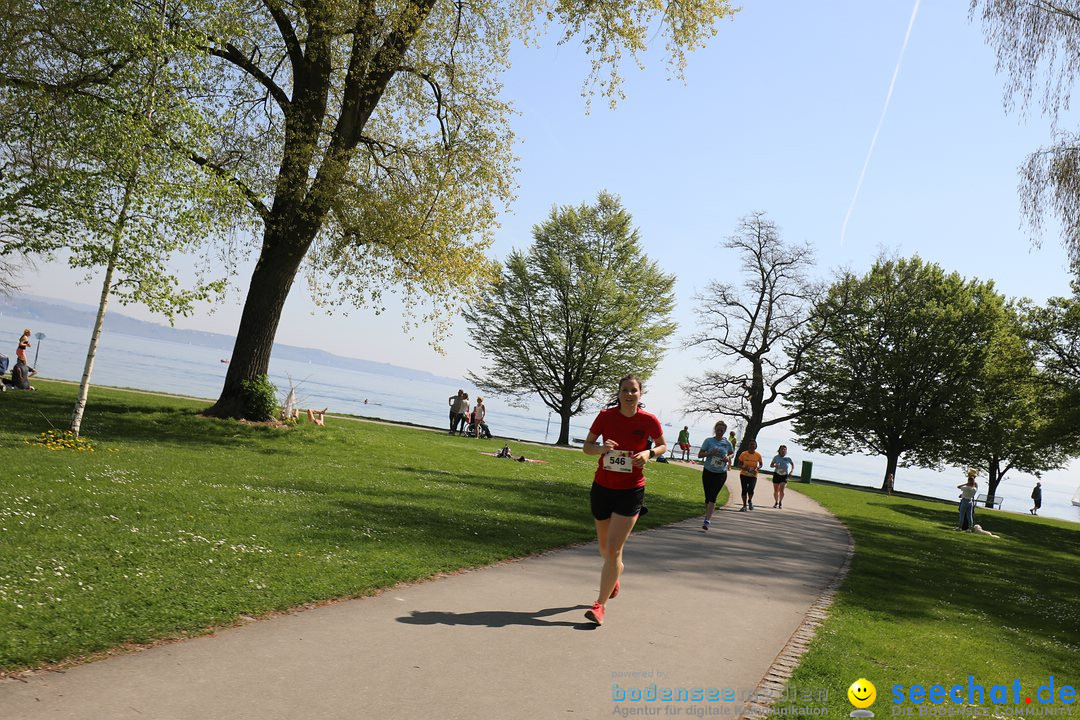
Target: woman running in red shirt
<point>618,489</point>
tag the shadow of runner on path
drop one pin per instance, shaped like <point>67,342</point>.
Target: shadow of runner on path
<point>496,618</point>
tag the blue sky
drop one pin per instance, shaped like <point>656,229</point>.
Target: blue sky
<point>776,114</point>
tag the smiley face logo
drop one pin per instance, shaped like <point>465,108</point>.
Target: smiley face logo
<point>862,693</point>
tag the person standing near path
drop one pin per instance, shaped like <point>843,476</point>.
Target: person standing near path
<point>455,409</point>
<point>618,489</point>
<point>463,416</point>
<point>479,413</point>
<point>749,463</point>
<point>782,467</point>
<point>24,344</point>
<point>684,442</point>
<point>1036,498</point>
<point>968,491</point>
<point>717,452</point>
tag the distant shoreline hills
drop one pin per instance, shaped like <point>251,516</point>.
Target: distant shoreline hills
<point>62,312</point>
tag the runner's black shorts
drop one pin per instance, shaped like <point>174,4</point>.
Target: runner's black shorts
<point>779,478</point>
<point>713,482</point>
<point>604,501</point>
<point>748,482</point>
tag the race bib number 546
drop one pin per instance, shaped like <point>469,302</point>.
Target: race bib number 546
<point>619,461</point>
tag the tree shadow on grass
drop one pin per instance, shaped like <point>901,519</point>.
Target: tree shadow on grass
<point>543,493</point>
<point>1024,581</point>
<point>498,618</point>
<point>110,419</point>
<point>504,522</point>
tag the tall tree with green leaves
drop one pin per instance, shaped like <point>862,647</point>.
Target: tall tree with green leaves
<point>582,307</point>
<point>760,329</point>
<point>1054,332</point>
<point>900,364</point>
<point>372,141</point>
<point>94,101</point>
<point>1013,423</point>
<point>9,276</point>
<point>1038,50</point>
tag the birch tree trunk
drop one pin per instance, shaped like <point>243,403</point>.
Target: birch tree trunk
<point>99,321</point>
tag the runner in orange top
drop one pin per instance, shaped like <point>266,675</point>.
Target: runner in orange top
<point>749,463</point>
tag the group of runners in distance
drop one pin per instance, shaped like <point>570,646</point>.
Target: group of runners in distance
<point>632,437</point>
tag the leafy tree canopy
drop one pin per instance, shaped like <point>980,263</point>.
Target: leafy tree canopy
<point>902,357</point>
<point>369,141</point>
<point>1038,50</point>
<point>1054,331</point>
<point>582,307</point>
<point>95,99</point>
<point>1012,426</point>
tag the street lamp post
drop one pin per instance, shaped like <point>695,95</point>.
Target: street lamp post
<point>39,337</point>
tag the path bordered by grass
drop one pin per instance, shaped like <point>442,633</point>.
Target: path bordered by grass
<point>176,522</point>
<point>927,605</point>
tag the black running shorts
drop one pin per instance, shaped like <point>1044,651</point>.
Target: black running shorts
<point>779,478</point>
<point>748,482</point>
<point>712,482</point>
<point>605,501</point>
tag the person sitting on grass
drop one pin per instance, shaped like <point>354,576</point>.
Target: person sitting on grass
<point>20,377</point>
<point>317,416</point>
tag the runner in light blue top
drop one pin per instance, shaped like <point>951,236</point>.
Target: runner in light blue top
<point>717,452</point>
<point>782,466</point>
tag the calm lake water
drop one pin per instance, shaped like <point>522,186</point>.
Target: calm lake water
<point>136,362</point>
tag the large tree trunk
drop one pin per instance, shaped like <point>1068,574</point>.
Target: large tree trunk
<point>270,284</point>
<point>892,459</point>
<point>564,427</point>
<point>753,427</point>
<point>994,480</point>
<point>757,409</point>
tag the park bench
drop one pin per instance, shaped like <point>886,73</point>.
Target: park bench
<point>995,501</point>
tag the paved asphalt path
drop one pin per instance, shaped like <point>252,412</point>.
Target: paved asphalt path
<point>697,609</point>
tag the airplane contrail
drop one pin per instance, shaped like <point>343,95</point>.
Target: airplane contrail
<point>881,121</point>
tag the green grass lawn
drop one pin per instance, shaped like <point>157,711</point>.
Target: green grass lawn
<point>176,522</point>
<point>925,605</point>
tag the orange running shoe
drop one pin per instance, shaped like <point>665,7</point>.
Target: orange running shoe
<point>596,613</point>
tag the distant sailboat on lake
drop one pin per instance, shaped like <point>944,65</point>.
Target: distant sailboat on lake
<point>1076,497</point>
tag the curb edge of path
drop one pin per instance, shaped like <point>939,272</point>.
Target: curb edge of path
<point>770,688</point>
